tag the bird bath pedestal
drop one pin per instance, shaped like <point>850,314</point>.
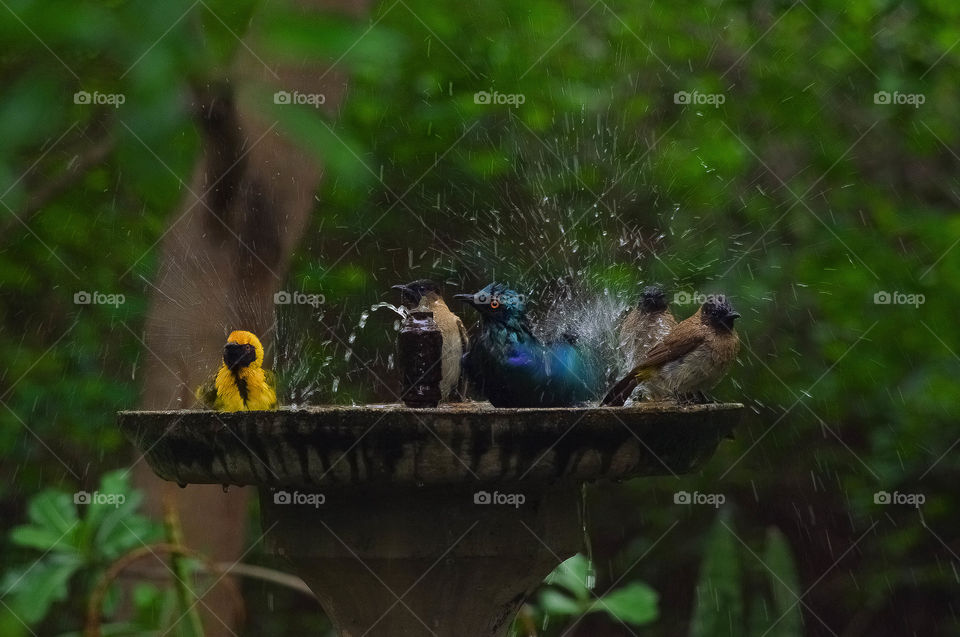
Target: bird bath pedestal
<point>425,521</point>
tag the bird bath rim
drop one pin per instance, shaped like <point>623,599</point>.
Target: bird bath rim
<point>388,445</point>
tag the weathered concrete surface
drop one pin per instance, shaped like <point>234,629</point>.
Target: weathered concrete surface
<point>458,568</point>
<point>339,447</point>
<point>376,507</point>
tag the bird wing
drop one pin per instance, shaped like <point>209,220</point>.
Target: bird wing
<point>682,339</point>
<point>464,338</point>
<point>206,393</point>
<point>519,355</point>
<point>271,380</point>
<point>668,316</point>
<point>460,391</point>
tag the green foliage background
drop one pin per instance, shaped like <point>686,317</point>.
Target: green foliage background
<point>799,196</point>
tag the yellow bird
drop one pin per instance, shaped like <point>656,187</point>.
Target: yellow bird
<point>241,383</point>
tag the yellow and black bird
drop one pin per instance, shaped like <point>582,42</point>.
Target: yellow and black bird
<point>425,295</point>
<point>646,325</point>
<point>241,383</point>
<point>692,358</point>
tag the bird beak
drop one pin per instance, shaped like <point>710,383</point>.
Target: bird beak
<point>402,288</point>
<point>236,355</point>
<point>734,315</point>
<point>466,298</point>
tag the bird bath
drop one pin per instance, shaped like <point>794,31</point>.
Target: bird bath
<point>425,521</point>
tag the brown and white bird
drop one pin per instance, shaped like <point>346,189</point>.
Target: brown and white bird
<point>424,294</point>
<point>646,325</point>
<point>696,354</point>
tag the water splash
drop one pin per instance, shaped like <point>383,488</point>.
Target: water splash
<point>400,310</point>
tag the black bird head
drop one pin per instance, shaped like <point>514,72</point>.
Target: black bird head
<point>718,312</point>
<point>496,301</point>
<point>237,355</point>
<point>411,293</point>
<point>653,299</point>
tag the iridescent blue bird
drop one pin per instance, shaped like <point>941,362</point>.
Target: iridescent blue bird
<point>511,367</point>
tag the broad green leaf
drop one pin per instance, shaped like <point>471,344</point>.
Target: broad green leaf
<point>42,585</point>
<point>556,603</point>
<point>35,537</point>
<point>571,575</point>
<point>636,604</point>
<point>53,510</point>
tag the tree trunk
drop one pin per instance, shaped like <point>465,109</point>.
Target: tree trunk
<point>224,255</point>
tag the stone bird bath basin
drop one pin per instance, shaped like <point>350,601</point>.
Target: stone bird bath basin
<point>425,521</point>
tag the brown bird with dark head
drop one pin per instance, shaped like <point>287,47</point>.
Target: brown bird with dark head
<point>424,294</point>
<point>696,354</point>
<point>646,325</point>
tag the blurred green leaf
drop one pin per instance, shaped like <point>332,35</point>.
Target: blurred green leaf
<point>718,609</point>
<point>635,603</point>
<point>571,575</point>
<point>785,586</point>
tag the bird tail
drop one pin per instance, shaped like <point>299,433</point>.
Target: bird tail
<point>622,390</point>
